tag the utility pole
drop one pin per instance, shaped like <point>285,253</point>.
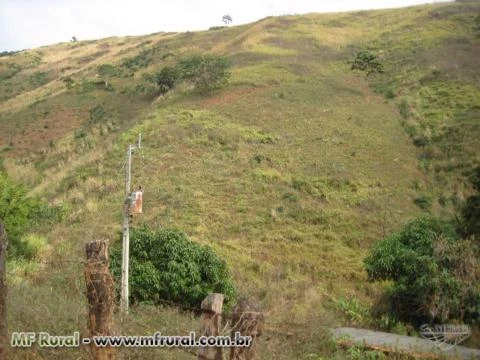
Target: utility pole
<point>126,234</point>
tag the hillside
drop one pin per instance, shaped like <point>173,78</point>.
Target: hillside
<point>290,172</point>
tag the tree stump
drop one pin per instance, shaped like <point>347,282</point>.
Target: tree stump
<point>100,296</point>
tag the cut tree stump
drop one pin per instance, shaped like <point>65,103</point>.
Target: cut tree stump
<point>100,296</point>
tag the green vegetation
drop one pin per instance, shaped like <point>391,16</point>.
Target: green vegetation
<point>19,213</point>
<point>166,79</point>
<point>206,72</point>
<point>471,209</point>
<point>367,62</point>
<point>291,173</point>
<point>434,273</point>
<point>166,266</point>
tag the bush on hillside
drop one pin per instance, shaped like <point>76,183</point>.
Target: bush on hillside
<point>166,266</point>
<point>206,72</point>
<point>19,212</point>
<point>470,222</point>
<point>166,79</point>
<point>367,62</point>
<point>435,274</point>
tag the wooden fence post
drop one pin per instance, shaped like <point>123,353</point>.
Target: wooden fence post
<point>246,320</point>
<point>210,325</point>
<point>100,296</point>
<point>3,293</point>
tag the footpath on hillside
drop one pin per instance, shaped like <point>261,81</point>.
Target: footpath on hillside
<point>420,348</point>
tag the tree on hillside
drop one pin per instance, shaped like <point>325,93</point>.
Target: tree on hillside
<point>166,79</point>
<point>206,72</point>
<point>367,62</point>
<point>74,39</point>
<point>435,275</point>
<point>227,19</point>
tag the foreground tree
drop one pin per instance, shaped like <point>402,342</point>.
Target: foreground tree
<point>166,266</point>
<point>434,274</point>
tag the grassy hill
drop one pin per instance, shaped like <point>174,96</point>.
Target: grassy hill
<point>290,172</point>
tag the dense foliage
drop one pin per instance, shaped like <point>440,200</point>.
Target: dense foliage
<point>435,275</point>
<point>165,265</point>
<point>367,62</point>
<point>205,72</point>
<point>19,212</point>
<point>166,79</point>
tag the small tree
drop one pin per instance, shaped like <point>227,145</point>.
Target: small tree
<point>74,39</point>
<point>367,62</point>
<point>166,79</point>
<point>206,72</point>
<point>227,19</point>
<point>435,275</point>
<point>165,265</point>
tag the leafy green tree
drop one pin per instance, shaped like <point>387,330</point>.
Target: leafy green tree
<point>166,79</point>
<point>435,275</point>
<point>165,265</point>
<point>206,72</point>
<point>367,62</point>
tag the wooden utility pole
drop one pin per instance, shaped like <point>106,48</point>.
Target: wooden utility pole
<point>3,293</point>
<point>99,283</point>
<point>210,325</point>
<point>124,291</point>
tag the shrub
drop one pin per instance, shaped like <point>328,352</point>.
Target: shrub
<point>19,212</point>
<point>137,62</point>
<point>166,79</point>
<point>434,273</point>
<point>471,210</point>
<point>367,62</point>
<point>423,202</point>
<point>404,108</point>
<point>108,70</point>
<point>97,113</point>
<point>206,72</point>
<point>165,265</point>
<point>39,78</point>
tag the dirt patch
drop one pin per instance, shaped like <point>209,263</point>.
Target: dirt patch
<point>37,135</point>
<point>230,97</point>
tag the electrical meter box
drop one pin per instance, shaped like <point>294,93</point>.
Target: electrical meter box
<point>136,198</point>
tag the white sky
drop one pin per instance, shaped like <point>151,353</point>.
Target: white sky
<point>32,23</point>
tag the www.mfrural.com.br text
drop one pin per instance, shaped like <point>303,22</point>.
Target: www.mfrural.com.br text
<point>44,339</point>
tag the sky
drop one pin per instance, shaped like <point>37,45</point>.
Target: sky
<point>31,23</point>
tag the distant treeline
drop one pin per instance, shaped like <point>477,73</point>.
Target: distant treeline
<point>9,53</point>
